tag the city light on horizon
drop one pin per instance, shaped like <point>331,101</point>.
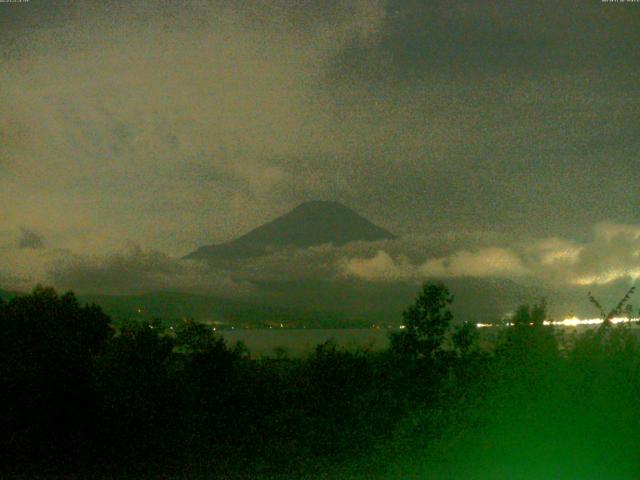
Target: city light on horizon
<point>568,322</point>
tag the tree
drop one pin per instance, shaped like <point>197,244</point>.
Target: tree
<point>47,347</point>
<point>529,346</point>
<point>216,384</point>
<point>464,338</point>
<point>426,323</point>
<point>136,413</point>
<point>526,316</point>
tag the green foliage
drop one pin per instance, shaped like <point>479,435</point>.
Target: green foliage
<point>74,395</point>
<point>527,316</point>
<point>465,337</point>
<point>529,344</point>
<point>135,394</point>
<point>426,323</point>
<point>46,351</point>
<point>197,338</point>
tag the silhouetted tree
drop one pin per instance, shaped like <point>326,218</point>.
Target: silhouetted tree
<point>528,352</point>
<point>527,316</point>
<point>465,337</point>
<point>426,323</point>
<point>46,350</point>
<point>216,382</point>
<point>336,398</point>
<point>137,400</point>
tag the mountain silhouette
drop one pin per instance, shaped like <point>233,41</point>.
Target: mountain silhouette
<point>310,223</point>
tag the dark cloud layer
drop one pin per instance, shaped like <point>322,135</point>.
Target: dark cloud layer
<point>135,270</point>
<point>30,239</point>
<point>178,124</point>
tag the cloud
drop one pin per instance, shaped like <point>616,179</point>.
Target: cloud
<point>24,268</point>
<point>166,126</point>
<point>613,254</point>
<point>491,137</point>
<point>8,280</point>
<point>30,239</point>
<point>553,251</point>
<point>610,255</point>
<point>177,124</point>
<point>482,263</point>
<point>126,269</point>
<point>488,262</point>
<point>380,267</point>
<point>397,259</point>
<point>136,270</point>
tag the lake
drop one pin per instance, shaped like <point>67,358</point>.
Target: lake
<point>300,341</point>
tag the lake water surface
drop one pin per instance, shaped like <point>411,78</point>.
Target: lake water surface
<point>297,342</point>
<point>301,341</point>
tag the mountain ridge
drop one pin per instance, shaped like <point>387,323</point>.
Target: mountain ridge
<point>309,224</point>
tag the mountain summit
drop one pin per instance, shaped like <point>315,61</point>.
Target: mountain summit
<point>310,223</point>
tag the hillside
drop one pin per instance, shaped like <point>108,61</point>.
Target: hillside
<point>309,224</point>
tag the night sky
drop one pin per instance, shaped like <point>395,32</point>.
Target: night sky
<point>496,139</point>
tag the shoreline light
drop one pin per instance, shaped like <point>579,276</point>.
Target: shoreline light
<point>568,322</point>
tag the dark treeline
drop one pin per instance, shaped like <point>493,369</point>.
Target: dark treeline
<point>77,396</point>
